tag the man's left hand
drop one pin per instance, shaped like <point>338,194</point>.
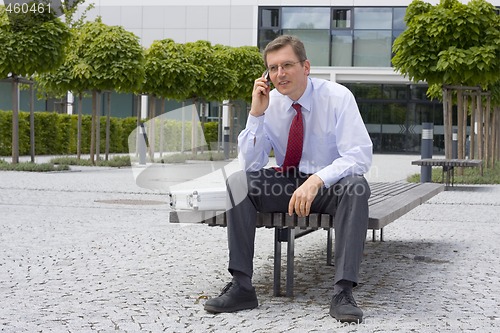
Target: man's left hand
<point>302,198</point>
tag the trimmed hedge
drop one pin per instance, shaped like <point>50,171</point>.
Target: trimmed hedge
<point>56,134</point>
<point>172,134</point>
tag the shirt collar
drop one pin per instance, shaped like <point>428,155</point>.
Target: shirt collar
<point>306,99</point>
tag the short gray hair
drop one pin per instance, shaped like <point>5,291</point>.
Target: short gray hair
<point>284,40</point>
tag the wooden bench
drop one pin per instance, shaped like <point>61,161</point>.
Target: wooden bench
<point>448,166</point>
<point>388,202</point>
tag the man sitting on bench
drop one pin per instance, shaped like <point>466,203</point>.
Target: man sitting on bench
<point>322,148</point>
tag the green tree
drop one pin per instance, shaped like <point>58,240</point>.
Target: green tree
<point>450,45</point>
<point>199,71</point>
<point>215,81</point>
<point>58,82</point>
<point>169,74</point>
<point>31,43</point>
<point>102,58</point>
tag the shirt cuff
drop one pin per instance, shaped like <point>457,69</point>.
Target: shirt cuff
<point>325,177</point>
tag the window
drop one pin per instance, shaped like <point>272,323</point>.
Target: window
<point>306,18</point>
<point>398,19</point>
<point>265,36</point>
<point>270,18</point>
<point>337,36</point>
<point>312,26</point>
<point>372,18</point>
<point>269,25</point>
<point>341,18</point>
<point>373,36</point>
<point>393,114</point>
<point>317,44</point>
<point>372,48</point>
<point>341,48</point>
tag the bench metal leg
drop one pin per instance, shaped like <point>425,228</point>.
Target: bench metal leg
<point>374,235</point>
<point>284,235</point>
<point>329,247</point>
<point>277,262</point>
<point>290,255</point>
<point>450,175</point>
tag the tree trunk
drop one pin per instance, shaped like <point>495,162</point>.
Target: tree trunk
<point>194,129</point>
<point>487,136</point>
<point>497,129</point>
<point>138,124</point>
<point>183,129</point>
<point>473,132</point>
<point>93,128</point>
<point>480,131</point>
<point>15,120</point>
<point>32,123</point>
<point>450,123</point>
<point>494,137</point>
<point>151,134</point>
<point>480,138</point>
<point>465,115</point>
<point>231,127</point>
<point>162,125</point>
<point>79,127</point>
<point>446,123</point>
<point>108,123</point>
<point>202,117</point>
<point>98,126</point>
<point>460,127</point>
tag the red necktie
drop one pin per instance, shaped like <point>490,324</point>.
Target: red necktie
<point>295,140</point>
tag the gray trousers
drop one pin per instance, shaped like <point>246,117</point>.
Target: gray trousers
<point>270,191</point>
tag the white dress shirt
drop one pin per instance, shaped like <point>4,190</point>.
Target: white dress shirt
<point>336,142</point>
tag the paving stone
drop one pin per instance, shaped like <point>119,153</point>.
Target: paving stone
<point>76,258</point>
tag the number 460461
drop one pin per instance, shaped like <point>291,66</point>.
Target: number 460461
<point>35,8</point>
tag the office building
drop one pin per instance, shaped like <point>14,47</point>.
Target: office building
<point>347,41</point>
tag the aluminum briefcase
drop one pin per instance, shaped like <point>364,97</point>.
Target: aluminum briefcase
<point>202,199</point>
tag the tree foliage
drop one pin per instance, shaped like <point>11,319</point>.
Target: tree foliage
<point>201,71</point>
<point>168,71</point>
<point>31,42</point>
<point>101,57</point>
<point>110,58</point>
<point>450,43</point>
<point>216,79</point>
<point>222,73</point>
<point>248,65</point>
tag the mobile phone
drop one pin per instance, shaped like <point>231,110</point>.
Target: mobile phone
<point>267,76</point>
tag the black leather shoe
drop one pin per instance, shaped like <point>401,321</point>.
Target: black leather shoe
<point>232,298</point>
<point>344,308</point>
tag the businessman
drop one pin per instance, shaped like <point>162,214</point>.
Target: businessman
<point>322,150</point>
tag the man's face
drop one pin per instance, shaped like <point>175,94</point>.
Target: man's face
<point>288,75</point>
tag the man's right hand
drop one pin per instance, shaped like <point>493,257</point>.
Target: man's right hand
<point>260,97</point>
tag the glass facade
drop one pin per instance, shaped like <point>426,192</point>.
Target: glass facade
<point>336,36</point>
<point>394,113</point>
<point>362,37</point>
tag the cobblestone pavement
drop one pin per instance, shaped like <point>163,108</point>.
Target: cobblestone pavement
<point>89,251</point>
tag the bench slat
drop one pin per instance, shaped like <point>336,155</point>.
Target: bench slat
<point>448,162</point>
<point>393,208</point>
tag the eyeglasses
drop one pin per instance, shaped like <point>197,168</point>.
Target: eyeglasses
<point>284,66</point>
